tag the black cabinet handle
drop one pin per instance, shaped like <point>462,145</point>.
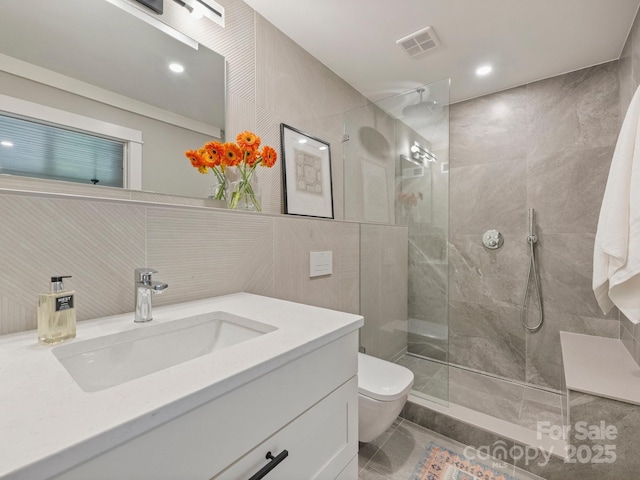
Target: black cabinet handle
<point>271,465</point>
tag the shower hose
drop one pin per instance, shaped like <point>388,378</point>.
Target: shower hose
<point>531,239</point>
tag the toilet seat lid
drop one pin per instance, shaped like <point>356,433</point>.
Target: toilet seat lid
<point>382,380</point>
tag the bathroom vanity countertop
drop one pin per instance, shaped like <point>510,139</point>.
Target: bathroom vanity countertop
<point>44,413</point>
<point>600,366</point>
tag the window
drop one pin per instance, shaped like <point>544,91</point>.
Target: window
<point>34,149</point>
<point>44,142</point>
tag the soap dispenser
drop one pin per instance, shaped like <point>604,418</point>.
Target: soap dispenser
<point>56,313</point>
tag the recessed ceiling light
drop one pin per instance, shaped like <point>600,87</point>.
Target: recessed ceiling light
<point>176,67</point>
<point>484,70</point>
<point>6,143</point>
<point>322,148</point>
<point>302,140</point>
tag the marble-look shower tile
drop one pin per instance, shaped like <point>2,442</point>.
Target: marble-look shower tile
<point>626,337</point>
<point>635,53</point>
<point>566,188</point>
<point>480,275</point>
<point>625,74</point>
<point>98,243</point>
<point>544,357</point>
<point>492,128</point>
<point>295,238</point>
<point>429,282</point>
<point>423,376</point>
<point>203,253</point>
<point>566,269</point>
<point>485,394</point>
<point>428,246</point>
<point>489,196</point>
<point>487,338</point>
<point>579,109</point>
<point>431,309</point>
<point>629,325</point>
<point>540,406</point>
<point>428,346</point>
<point>438,386</point>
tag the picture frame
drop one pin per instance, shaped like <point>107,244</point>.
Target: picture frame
<point>306,174</point>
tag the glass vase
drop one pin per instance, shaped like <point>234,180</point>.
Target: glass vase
<point>245,194</point>
<point>218,191</point>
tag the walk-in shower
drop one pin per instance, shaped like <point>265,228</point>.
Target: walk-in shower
<point>454,303</point>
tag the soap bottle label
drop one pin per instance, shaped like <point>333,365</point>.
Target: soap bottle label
<point>64,303</point>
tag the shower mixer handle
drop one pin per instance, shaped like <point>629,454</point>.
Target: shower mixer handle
<point>492,239</point>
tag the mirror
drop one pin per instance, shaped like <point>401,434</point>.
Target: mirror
<point>92,58</point>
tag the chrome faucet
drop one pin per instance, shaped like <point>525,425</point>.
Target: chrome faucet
<point>144,288</point>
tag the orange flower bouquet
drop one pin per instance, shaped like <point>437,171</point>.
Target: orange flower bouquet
<point>208,158</point>
<point>246,155</point>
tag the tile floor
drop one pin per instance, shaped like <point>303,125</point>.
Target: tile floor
<point>394,455</point>
<point>515,403</point>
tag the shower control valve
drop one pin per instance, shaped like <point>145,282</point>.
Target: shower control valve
<point>492,239</point>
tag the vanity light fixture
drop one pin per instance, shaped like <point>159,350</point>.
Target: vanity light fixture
<point>484,70</point>
<point>176,67</point>
<point>418,152</point>
<point>207,8</point>
<point>6,143</point>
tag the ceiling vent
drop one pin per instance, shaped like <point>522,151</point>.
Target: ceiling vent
<point>419,42</point>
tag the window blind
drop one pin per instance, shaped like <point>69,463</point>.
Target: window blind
<point>33,149</point>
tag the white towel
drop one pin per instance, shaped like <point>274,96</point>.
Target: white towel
<point>616,256</point>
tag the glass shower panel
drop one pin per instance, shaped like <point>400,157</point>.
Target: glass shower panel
<point>369,165</point>
<point>396,163</point>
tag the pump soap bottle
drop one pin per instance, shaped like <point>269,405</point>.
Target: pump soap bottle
<point>56,313</point>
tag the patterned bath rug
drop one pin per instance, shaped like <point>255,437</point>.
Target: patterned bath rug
<point>440,463</point>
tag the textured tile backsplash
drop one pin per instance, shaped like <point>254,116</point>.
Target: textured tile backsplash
<point>98,243</point>
<point>199,252</point>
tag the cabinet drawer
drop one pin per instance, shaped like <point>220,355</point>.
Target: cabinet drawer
<point>320,443</point>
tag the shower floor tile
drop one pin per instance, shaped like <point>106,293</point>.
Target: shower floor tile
<point>396,453</point>
<point>515,403</point>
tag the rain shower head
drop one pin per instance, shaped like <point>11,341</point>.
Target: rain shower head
<point>422,109</point>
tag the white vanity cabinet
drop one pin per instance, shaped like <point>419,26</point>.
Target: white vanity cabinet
<point>307,407</point>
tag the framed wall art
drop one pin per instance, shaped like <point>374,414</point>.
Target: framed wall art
<point>306,169</point>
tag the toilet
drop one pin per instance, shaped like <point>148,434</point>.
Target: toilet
<point>383,388</point>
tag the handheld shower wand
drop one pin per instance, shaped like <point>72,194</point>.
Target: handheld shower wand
<point>532,239</point>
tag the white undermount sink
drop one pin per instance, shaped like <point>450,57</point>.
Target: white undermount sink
<point>110,360</point>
